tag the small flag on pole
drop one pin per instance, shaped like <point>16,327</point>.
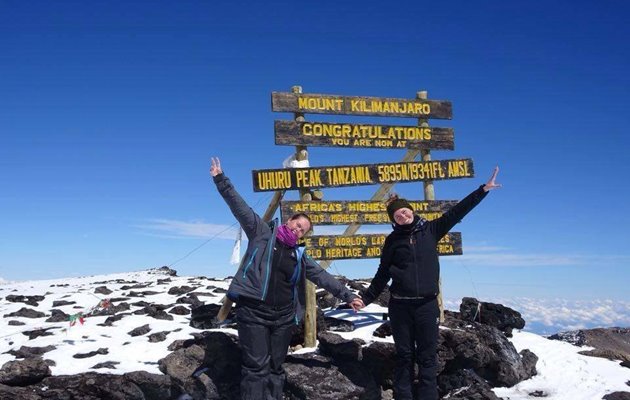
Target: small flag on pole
<point>236,251</point>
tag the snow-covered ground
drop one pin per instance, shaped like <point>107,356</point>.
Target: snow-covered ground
<point>562,373</point>
<point>133,353</point>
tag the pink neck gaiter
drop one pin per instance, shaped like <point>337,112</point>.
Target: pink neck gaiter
<point>286,236</point>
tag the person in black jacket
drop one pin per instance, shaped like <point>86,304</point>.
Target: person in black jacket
<point>269,291</point>
<point>410,259</point>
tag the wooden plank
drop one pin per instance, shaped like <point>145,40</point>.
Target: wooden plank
<point>358,175</point>
<point>345,212</point>
<point>362,135</point>
<point>331,247</point>
<point>360,105</point>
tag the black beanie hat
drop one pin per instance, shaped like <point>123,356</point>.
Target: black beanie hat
<point>397,204</point>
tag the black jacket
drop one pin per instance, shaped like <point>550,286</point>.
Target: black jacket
<point>410,258</point>
<point>252,278</point>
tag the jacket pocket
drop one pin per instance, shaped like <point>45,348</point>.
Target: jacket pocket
<point>397,273</point>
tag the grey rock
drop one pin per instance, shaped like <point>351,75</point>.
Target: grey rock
<point>101,351</point>
<point>24,372</point>
<point>61,303</point>
<point>158,337</point>
<point>30,300</point>
<point>57,316</point>
<point>179,290</point>
<point>312,376</point>
<point>503,318</point>
<point>179,310</point>
<point>35,333</point>
<point>30,352</point>
<point>106,364</point>
<point>139,331</point>
<point>333,345</point>
<point>26,312</point>
<point>102,290</point>
<point>617,396</point>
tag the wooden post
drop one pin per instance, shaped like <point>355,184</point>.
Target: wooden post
<point>310,312</point>
<point>429,193</point>
<point>273,206</point>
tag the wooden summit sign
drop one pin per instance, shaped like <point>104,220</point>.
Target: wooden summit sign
<point>357,211</point>
<point>356,175</point>
<point>331,247</point>
<point>356,105</point>
<point>362,135</point>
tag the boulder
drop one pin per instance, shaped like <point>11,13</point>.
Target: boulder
<point>179,290</point>
<point>313,376</point>
<point>24,372</point>
<point>179,310</point>
<point>60,303</point>
<point>35,333</point>
<point>483,349</point>
<point>379,358</point>
<point>139,331</point>
<point>503,318</point>
<point>30,352</point>
<point>465,384</point>
<point>103,290</point>
<point>26,312</point>
<point>617,396</point>
<point>57,316</point>
<point>101,351</point>
<point>94,386</point>
<point>207,367</point>
<point>338,348</point>
<point>191,299</point>
<point>30,300</point>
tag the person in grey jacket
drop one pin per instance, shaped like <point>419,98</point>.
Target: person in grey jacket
<point>269,289</point>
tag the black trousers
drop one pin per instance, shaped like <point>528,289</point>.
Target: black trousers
<point>264,334</point>
<point>415,326</point>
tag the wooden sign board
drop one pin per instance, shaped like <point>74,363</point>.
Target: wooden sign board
<point>330,247</point>
<point>357,211</point>
<point>362,135</point>
<point>357,175</point>
<point>357,105</point>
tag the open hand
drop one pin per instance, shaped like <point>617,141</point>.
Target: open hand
<point>215,168</point>
<point>491,184</point>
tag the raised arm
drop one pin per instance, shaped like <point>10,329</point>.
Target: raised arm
<point>251,222</point>
<point>446,222</point>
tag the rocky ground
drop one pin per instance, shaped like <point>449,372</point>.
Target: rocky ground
<point>197,358</point>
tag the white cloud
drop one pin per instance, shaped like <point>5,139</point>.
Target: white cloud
<point>170,228</point>
<point>519,260</point>
<point>495,256</point>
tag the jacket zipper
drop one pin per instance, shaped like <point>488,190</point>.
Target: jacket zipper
<point>272,240</point>
<point>275,275</point>
<point>251,259</point>
<point>415,267</point>
<point>298,271</point>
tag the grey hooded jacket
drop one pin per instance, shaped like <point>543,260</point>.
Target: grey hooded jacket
<point>252,278</point>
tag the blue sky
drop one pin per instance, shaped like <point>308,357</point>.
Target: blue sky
<point>110,111</point>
